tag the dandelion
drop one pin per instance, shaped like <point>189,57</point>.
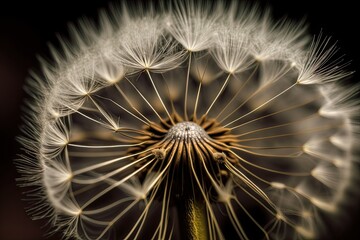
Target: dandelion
<point>190,121</point>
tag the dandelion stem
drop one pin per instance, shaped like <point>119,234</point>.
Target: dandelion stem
<point>192,218</point>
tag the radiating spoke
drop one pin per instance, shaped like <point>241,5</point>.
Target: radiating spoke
<point>259,90</point>
<point>237,92</point>
<point>144,98</point>
<point>158,94</point>
<point>187,87</point>
<point>299,174</point>
<point>262,105</point>
<point>217,96</point>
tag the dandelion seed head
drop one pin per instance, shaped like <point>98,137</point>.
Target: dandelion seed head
<point>190,120</point>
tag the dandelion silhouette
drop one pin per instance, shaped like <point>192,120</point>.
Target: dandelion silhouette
<point>192,121</point>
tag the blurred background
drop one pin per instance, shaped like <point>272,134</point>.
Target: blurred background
<point>26,28</point>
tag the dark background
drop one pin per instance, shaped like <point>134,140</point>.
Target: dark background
<point>27,27</point>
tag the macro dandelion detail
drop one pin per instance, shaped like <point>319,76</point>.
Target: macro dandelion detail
<point>190,121</point>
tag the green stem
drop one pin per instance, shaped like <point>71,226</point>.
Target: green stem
<point>192,218</point>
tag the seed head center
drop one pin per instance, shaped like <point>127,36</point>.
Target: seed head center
<point>186,131</point>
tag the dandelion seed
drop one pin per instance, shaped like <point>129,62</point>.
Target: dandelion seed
<point>192,121</point>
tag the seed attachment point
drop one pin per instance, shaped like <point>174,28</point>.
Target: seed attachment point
<point>219,157</point>
<point>159,153</point>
